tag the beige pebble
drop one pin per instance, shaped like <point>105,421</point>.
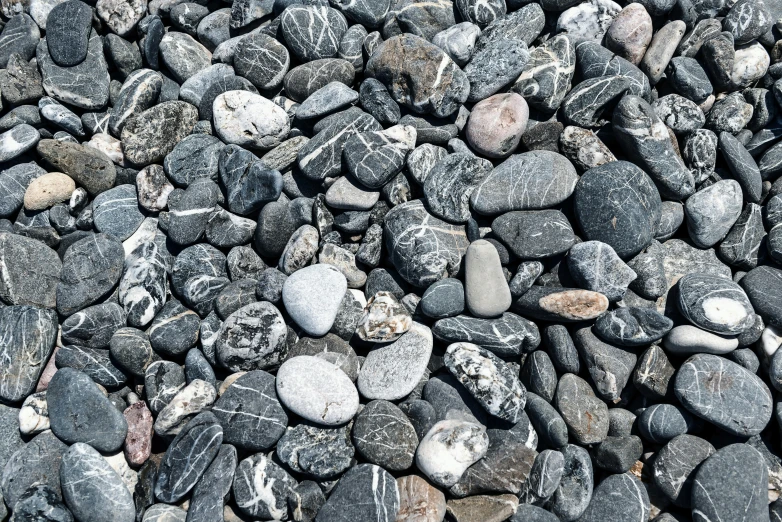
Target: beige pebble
<point>48,190</point>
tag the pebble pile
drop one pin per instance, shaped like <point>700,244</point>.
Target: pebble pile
<point>390,260</point>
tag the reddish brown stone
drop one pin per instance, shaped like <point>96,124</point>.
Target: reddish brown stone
<point>138,443</point>
<point>419,501</point>
<point>48,372</point>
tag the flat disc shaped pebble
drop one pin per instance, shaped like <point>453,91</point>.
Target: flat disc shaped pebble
<point>312,296</point>
<point>317,390</point>
<point>715,304</point>
<point>262,60</point>
<point>724,393</point>
<point>68,31</point>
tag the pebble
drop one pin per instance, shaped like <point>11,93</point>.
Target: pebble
<point>419,501</point>
<point>630,33</point>
<point>316,390</point>
<point>449,448</point>
<point>30,335</point>
<point>315,315</point>
<point>586,415</point>
<point>321,453</point>
<point>261,487</point>
<point>247,119</point>
<point>712,211</point>
<point>743,412</point>
<point>102,496</point>
<point>715,304</point>
<point>365,490</point>
<point>675,466</point>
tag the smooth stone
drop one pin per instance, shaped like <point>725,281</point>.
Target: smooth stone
<point>116,212</point>
<point>13,185</point>
<point>585,414</point>
<point>449,448</point>
<point>313,32</point>
<point>528,181</point>
<point>560,304</point>
<point>319,453</point>
<point>589,20</point>
<point>96,364</point>
<point>365,490</point>
<point>40,502</point>
<point>92,490</point>
<point>328,99</point>
<point>687,340</point>
<point>419,501</point>
<point>150,136</point>
<point>91,268</point>
<point>662,422</point>
<point>317,390</point>
<point>595,266</point>
<point>79,412</point>
<point>250,416</point>
<point>162,381</point>
<point>374,158</point>
<point>743,166</point>
<point>84,84</point>
<point>68,31</point>
<point>715,304</point>
<point>441,86</point>
<point>20,36</point>
<point>555,234</point>
<point>574,492</point>
<point>144,284</point>
<point>445,298</point>
<point>630,33</point>
<point>609,367</point>
<point>676,464</point>
<point>191,400</point>
<point>307,78</point>
<point>689,79</point>
<point>261,488</point>
<point>29,335</point>
<point>483,507</point>
<point>387,443</point>
<point>712,211</point>
<point>618,204</point>
<point>743,412</point>
<point>618,497</point>
<point>138,442</point>
<point>17,141</point>
<point>661,49</point>
<point>546,78</point>
<point>507,335</point>
<point>496,64</point>
<point>735,472</point>
<point>34,414</point>
<point>458,41</point>
<point>639,129</point>
<point>188,457</point>
<point>36,463</point>
<point>209,493</point>
<point>486,290</point>
<point>583,106</point>
<point>760,285</point>
<point>314,314</point>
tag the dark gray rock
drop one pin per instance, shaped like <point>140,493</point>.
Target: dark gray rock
<point>374,158</point>
<point>704,379</point>
<point>444,298</point>
<point>131,350</point>
<point>618,454</point>
<point>116,212</point>
<point>79,412</point>
<point>507,335</point>
<point>547,75</point>
<point>747,20</point>
<point>383,435</point>
<point>84,85</point>
<point>505,468</point>
<point>528,181</point>
<point>450,183</point>
<point>262,60</point>
<point>438,89</point>
<point>313,32</point>
<point>42,503</point>
<point>214,486</point>
<point>561,349</point>
<point>92,489</point>
<point>574,493</point>
<point>259,325</point>
<point>144,284</point>
<point>88,167</point>
<point>174,329</point>
<point>96,364</point>
<point>20,36</point>
<point>689,79</point>
<point>68,31</point>
<point>586,415</point>
<point>761,285</point>
<point>618,204</point>
<point>365,490</point>
<point>36,463</point>
<point>374,98</point>
<point>188,457</point>
<point>555,234</point>
<point>496,64</point>
<point>307,78</point>
<point>150,136</point>
<point>618,497</point>
<point>189,215</point>
<point>595,266</point>
<point>584,104</point>
<point>675,466</point>
<point>162,381</point>
<point>17,141</point>
<point>640,131</point>
<point>13,184</point>
<point>261,488</point>
<point>608,366</point>
<point>743,167</point>
<point>538,375</point>
<point>735,472</point>
<point>632,326</point>
<point>320,453</point>
<point>662,422</point>
<point>91,268</point>
<point>250,413</point>
<point>29,335</point>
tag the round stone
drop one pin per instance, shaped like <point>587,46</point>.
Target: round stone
<point>449,448</point>
<point>715,304</point>
<point>618,204</point>
<point>262,60</point>
<point>383,435</point>
<point>630,33</point>
<point>47,190</point>
<point>317,390</point>
<point>252,338</point>
<point>312,296</point>
<point>496,125</point>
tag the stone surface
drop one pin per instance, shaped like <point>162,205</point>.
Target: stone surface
<point>449,448</point>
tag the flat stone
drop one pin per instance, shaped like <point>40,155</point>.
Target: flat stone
<point>715,304</point>
<point>496,64</point>
<point>208,497</point>
<point>528,181</point>
<point>483,507</point>
<point>546,78</point>
<point>313,32</point>
<point>96,364</point>
<point>251,417</point>
<point>79,412</point>
<point>735,471</point>
<point>364,490</point>
<point>745,411</point>
<point>555,234</point>
<point>191,400</point>
<point>41,499</point>
<point>307,78</point>
<point>30,334</point>
<point>68,31</point>
<point>617,497</point>
<point>630,33</point>
<point>138,442</point>
<point>712,211</point>
<point>507,335</point>
<point>20,36</point>
<point>33,416</point>
<point>103,494</point>
<point>584,104</point>
<point>317,390</point>
<point>17,141</point>
<point>162,381</point>
<point>617,204</point>
<point>632,326</point>
<point>675,466</point>
<point>595,266</point>
<point>661,49</point>
<point>36,463</point>
<point>574,492</point>
<point>183,56</point>
<point>585,415</point>
<point>609,367</point>
<point>331,98</point>
<point>188,457</point>
<point>314,312</point>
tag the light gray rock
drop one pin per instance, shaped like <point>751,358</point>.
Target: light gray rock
<point>312,297</point>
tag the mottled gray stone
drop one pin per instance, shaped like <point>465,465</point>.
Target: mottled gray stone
<point>451,182</point>
<point>495,65</point>
<point>631,326</point>
<point>313,32</point>
<point>586,415</point>
<point>712,211</point>
<point>29,335</point>
<point>546,77</point>
<point>261,488</point>
<point>715,304</point>
<point>675,466</point>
